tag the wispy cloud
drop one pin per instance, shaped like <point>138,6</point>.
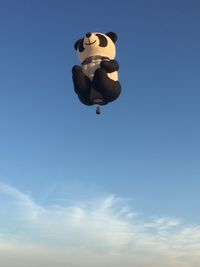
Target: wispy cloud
<point>96,232</point>
<point>24,201</point>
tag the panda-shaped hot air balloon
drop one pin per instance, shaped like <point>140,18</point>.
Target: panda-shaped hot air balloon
<point>96,80</point>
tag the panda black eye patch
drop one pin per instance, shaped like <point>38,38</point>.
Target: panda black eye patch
<point>102,40</point>
<point>80,46</point>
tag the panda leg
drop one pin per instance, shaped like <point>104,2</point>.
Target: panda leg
<point>82,85</point>
<point>109,88</point>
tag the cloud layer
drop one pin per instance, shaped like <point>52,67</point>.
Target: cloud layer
<point>96,232</point>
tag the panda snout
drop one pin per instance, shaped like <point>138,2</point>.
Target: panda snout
<point>88,34</point>
<point>90,38</point>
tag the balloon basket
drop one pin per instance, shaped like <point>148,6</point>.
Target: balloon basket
<point>98,111</point>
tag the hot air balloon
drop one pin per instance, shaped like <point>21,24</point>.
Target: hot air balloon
<point>96,80</point>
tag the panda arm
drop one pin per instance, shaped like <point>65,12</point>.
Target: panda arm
<point>110,66</point>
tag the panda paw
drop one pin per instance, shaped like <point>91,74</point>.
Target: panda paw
<point>105,64</point>
<point>110,66</point>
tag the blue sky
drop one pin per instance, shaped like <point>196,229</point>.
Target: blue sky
<point>133,171</point>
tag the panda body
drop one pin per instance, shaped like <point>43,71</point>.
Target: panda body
<point>96,80</point>
<point>90,68</point>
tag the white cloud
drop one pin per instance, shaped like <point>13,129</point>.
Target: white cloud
<point>24,201</point>
<point>103,232</point>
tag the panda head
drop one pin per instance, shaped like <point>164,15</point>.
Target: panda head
<point>96,43</point>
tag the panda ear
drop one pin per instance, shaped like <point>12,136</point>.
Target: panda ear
<point>112,35</point>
